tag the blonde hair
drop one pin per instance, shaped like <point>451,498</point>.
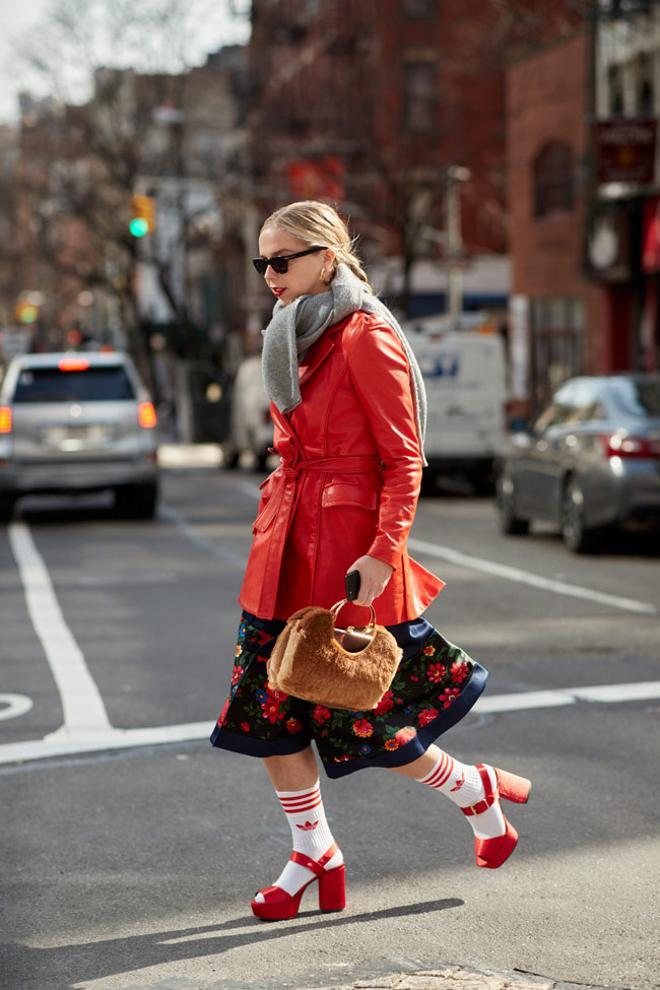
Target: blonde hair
<point>318,223</point>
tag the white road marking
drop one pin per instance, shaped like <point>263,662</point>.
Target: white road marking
<point>530,579</point>
<point>84,711</point>
<point>54,745</point>
<point>17,705</point>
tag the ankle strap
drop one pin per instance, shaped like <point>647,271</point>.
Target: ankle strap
<point>317,866</point>
<point>490,796</point>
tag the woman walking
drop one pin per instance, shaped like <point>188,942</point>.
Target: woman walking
<point>349,411</point>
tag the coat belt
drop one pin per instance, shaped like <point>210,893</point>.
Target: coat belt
<point>284,496</point>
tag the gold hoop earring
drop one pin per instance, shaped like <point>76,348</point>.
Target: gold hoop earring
<point>323,275</point>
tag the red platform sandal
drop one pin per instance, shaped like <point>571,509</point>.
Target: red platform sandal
<point>492,853</point>
<point>280,906</point>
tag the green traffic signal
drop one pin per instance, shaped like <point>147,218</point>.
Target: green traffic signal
<point>138,227</point>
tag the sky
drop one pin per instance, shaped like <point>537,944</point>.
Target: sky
<point>18,16</point>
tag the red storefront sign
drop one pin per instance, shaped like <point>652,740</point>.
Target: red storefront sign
<point>316,178</point>
<point>651,235</point>
<point>626,150</point>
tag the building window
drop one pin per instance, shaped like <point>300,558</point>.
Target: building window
<point>420,8</point>
<point>554,181</point>
<point>645,100</point>
<point>420,97</point>
<point>557,344</point>
<point>615,90</point>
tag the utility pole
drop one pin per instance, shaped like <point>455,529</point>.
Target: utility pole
<point>455,175</point>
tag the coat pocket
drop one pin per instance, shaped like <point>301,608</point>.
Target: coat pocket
<point>361,495</point>
<point>265,515</point>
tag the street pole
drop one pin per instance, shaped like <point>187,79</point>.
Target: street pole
<point>455,175</point>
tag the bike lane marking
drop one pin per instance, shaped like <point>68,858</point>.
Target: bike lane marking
<point>498,704</point>
<point>17,705</point>
<point>529,578</point>
<point>82,705</point>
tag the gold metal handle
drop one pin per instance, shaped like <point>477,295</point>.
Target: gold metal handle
<point>336,608</point>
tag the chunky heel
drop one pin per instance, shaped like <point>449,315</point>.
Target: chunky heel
<point>332,890</point>
<point>512,787</point>
<point>275,904</point>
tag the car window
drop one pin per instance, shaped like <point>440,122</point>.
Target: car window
<point>89,385</point>
<point>556,414</point>
<point>639,398</point>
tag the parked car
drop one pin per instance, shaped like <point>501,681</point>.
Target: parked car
<point>590,462</point>
<point>73,423</point>
<point>464,373</point>
<point>250,425</point>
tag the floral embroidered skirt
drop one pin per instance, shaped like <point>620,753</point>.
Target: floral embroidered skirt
<point>436,684</point>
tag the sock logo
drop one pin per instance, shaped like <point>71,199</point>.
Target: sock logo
<point>459,783</point>
<point>308,826</point>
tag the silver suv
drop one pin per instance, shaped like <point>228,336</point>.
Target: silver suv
<point>77,422</point>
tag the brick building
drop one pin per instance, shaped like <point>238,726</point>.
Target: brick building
<point>369,103</point>
<point>558,315</point>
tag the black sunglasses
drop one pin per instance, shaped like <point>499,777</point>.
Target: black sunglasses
<point>281,264</point>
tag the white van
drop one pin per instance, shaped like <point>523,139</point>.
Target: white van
<point>250,425</point>
<point>465,376</point>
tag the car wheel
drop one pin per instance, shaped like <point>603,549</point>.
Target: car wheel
<point>510,523</point>
<point>137,501</point>
<point>575,533</point>
<point>7,503</point>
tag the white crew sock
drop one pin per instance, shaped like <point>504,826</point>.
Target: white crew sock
<point>462,784</point>
<point>311,835</point>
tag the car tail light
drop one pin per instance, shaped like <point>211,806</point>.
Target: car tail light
<point>147,415</point>
<point>73,364</point>
<point>5,419</point>
<point>627,446</point>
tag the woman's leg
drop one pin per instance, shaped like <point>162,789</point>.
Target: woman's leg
<point>467,785</point>
<point>296,781</point>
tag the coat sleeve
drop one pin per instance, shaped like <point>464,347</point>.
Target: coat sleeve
<point>380,375</point>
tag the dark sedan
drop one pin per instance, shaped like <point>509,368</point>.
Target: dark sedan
<point>590,462</point>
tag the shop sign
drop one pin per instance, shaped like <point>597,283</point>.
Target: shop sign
<point>626,150</point>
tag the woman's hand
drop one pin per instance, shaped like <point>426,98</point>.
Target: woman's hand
<point>374,575</point>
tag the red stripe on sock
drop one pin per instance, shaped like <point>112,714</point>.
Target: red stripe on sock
<point>437,771</point>
<point>447,774</point>
<point>301,802</point>
<point>302,807</point>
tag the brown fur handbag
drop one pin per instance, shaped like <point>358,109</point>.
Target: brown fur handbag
<point>338,668</point>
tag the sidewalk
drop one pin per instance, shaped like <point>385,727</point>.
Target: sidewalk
<point>456,978</point>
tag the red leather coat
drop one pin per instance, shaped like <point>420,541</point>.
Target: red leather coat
<point>347,483</point>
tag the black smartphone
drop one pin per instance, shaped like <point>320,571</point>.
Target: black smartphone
<point>352,585</point>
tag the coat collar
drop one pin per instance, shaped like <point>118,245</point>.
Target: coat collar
<point>319,351</point>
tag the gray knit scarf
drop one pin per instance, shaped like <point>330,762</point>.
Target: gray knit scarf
<point>296,326</point>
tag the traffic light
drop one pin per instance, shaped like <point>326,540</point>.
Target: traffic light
<point>143,215</point>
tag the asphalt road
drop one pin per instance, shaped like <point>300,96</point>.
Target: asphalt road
<point>133,866</point>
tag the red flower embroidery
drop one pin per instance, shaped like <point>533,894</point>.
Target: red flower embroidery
<point>320,714</point>
<point>448,697</point>
<point>223,713</point>
<point>245,727</point>
<point>436,672</point>
<point>385,704</point>
<point>275,695</point>
<point>391,744</point>
<point>363,728</point>
<point>429,651</point>
<point>405,734</point>
<point>261,659</point>
<point>459,671</point>
<point>293,725</point>
<point>426,716</point>
<point>271,711</point>
<point>236,675</point>
<point>414,677</point>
